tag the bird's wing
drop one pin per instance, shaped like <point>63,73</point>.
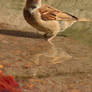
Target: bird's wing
<point>49,13</point>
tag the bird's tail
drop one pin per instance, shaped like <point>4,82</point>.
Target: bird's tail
<point>84,19</point>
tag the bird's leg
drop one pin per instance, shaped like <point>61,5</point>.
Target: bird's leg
<point>54,35</point>
<point>50,39</point>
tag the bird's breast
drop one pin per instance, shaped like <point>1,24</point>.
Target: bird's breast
<point>41,25</point>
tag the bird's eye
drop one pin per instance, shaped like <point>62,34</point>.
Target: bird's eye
<point>34,7</point>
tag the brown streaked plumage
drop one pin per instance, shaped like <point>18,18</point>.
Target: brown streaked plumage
<point>47,19</point>
<point>50,13</point>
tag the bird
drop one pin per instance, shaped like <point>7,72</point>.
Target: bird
<point>8,84</point>
<point>48,19</point>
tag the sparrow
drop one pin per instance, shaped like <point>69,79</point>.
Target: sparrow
<point>48,19</point>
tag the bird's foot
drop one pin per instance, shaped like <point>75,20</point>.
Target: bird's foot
<point>45,35</point>
<point>50,41</point>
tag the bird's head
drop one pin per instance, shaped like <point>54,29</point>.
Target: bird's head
<point>33,5</point>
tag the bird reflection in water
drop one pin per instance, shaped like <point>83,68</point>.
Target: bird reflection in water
<point>52,54</point>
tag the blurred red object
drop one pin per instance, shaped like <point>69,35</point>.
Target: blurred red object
<point>8,84</point>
